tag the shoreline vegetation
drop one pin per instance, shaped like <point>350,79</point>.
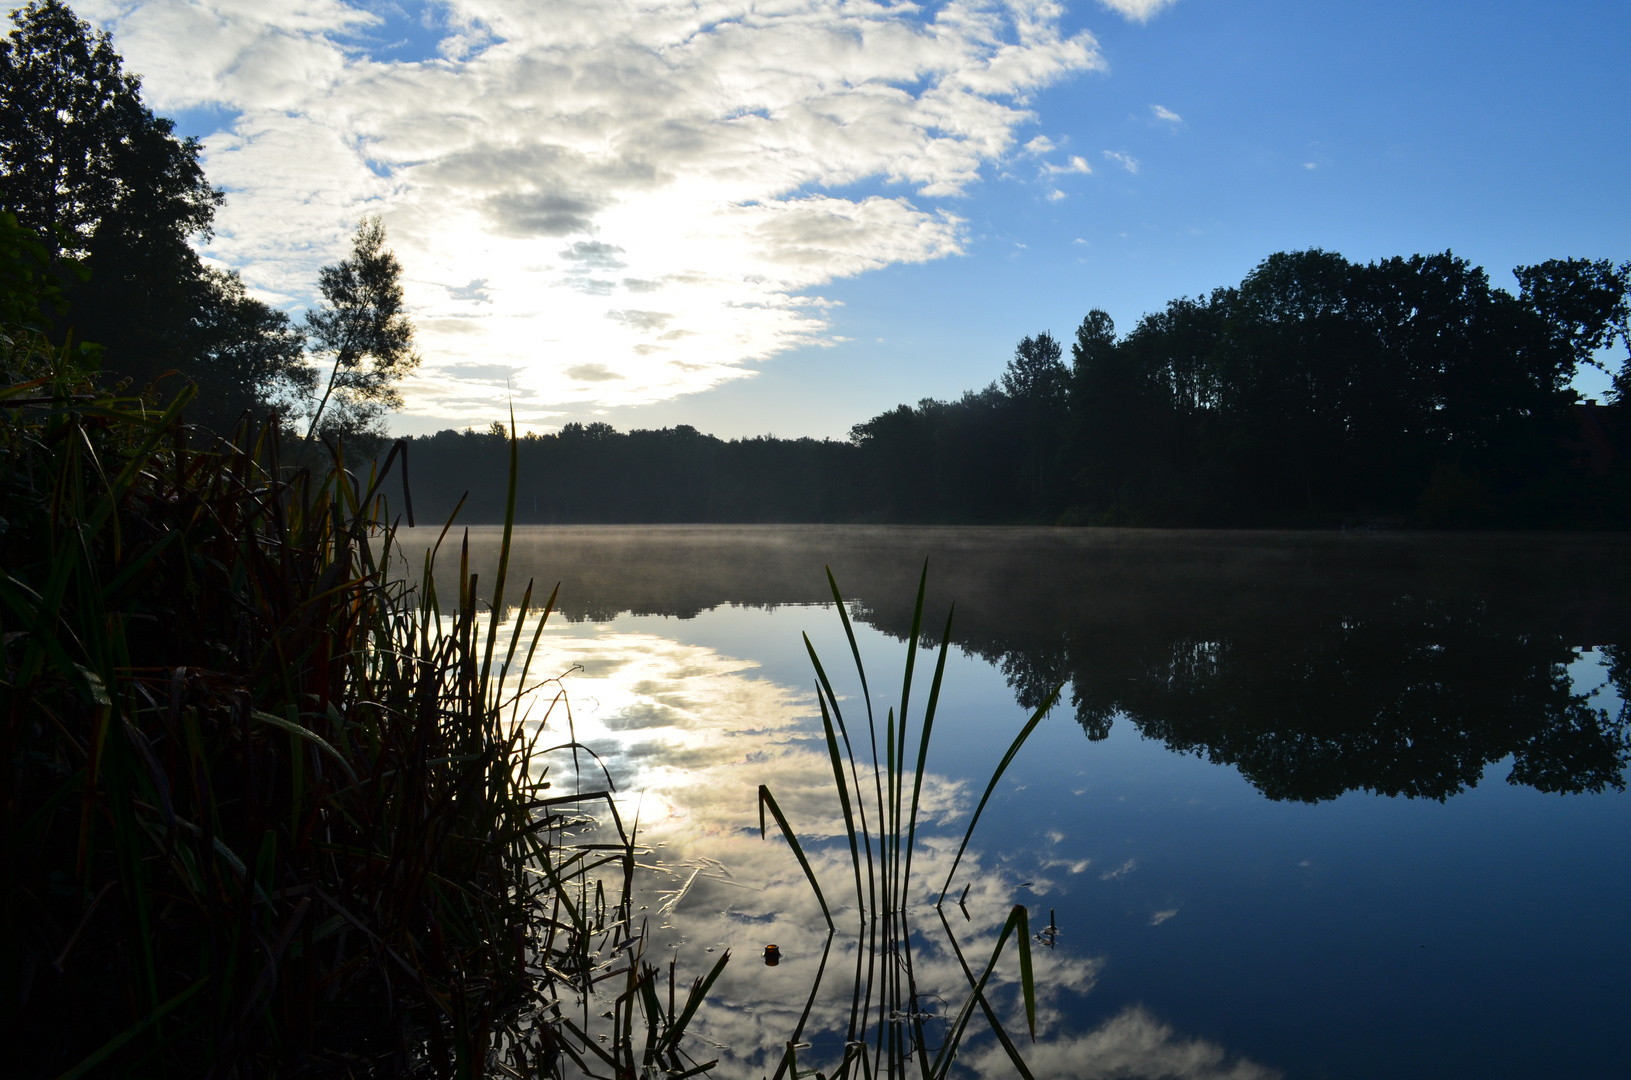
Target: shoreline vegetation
<point>267,810</point>
<point>1317,393</point>
<point>271,810</point>
<point>275,810</point>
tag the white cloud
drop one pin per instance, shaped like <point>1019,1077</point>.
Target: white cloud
<point>1162,916</point>
<point>562,162</point>
<point>1126,161</point>
<point>1138,10</point>
<point>1163,113</point>
<point>1056,195</point>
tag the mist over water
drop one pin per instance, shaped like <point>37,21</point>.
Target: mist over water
<point>1311,804</point>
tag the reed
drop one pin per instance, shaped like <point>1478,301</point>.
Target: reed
<point>271,809</point>
<point>885,1036</point>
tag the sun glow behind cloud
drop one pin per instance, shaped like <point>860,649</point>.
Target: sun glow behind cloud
<point>602,202</point>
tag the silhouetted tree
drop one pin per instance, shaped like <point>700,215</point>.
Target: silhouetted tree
<point>1036,374</point>
<point>1320,389</point>
<point>363,333</point>
<point>250,356</point>
<point>88,167</point>
<point>1316,391</point>
<point>1586,304</point>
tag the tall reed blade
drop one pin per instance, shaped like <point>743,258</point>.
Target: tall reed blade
<point>694,1000</point>
<point>767,800</point>
<point>497,605</point>
<point>843,799</point>
<point>923,746</point>
<point>1042,710</point>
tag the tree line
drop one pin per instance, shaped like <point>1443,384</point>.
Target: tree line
<point>1317,392</point>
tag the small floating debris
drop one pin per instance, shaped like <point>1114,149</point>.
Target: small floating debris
<point>773,956</point>
<point>1049,938</point>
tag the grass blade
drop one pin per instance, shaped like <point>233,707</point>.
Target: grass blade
<point>1042,710</point>
<point>112,1045</point>
<point>843,799</point>
<point>699,991</point>
<point>766,799</point>
<point>1018,921</point>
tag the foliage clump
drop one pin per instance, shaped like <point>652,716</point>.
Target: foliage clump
<point>109,187</point>
<point>269,810</point>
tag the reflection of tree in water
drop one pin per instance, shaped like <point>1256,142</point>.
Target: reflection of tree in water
<point>1414,699</point>
<point>1316,663</point>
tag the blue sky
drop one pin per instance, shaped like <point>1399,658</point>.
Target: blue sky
<point>1501,131</point>
<point>1498,130</point>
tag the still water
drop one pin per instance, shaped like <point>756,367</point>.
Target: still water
<point>1310,806</point>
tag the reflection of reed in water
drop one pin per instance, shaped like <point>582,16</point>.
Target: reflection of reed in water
<point>889,1012</point>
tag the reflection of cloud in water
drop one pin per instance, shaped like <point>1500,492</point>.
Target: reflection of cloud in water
<point>689,735</point>
<point>1120,872</point>
<point>652,715</point>
<point>1072,866</point>
<point>703,731</point>
<point>1133,1045</point>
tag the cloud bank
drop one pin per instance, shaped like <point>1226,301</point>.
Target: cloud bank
<point>613,202</point>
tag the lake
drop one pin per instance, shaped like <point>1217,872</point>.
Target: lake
<point>1310,805</point>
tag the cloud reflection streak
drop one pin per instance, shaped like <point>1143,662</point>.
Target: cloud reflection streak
<point>689,733</point>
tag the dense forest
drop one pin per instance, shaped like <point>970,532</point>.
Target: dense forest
<point>1317,392</point>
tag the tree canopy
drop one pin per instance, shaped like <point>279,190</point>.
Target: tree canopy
<point>109,190</point>
<point>364,334</point>
<point>1316,392</point>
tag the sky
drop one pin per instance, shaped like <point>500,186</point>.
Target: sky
<point>785,217</point>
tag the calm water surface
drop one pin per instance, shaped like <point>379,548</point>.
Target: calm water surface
<point>1311,806</point>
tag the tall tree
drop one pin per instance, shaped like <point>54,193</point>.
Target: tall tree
<point>1586,304</point>
<point>1036,372</point>
<point>88,167</point>
<point>249,356</point>
<point>1037,385</point>
<point>364,334</point>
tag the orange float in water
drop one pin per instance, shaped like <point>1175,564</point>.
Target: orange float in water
<point>773,956</point>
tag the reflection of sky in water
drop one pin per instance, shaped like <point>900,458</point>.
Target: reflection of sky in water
<point>1203,929</point>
